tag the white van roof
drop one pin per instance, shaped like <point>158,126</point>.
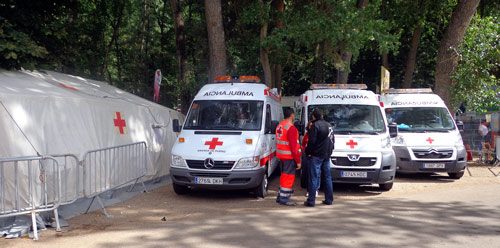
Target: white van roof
<point>236,91</point>
<point>406,99</point>
<point>339,94</point>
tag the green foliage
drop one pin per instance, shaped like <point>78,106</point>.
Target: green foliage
<point>340,24</point>
<point>124,41</point>
<point>477,77</point>
<point>16,48</point>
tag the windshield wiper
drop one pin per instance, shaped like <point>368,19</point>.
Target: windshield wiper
<point>223,127</point>
<point>365,132</point>
<point>438,130</point>
<point>342,132</point>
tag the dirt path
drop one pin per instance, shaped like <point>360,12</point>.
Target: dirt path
<point>147,210</point>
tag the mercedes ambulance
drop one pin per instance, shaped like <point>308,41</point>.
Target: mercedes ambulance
<point>228,139</point>
<point>429,140</point>
<point>362,153</point>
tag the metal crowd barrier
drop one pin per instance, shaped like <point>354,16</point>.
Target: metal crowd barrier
<point>71,178</point>
<point>109,168</point>
<point>42,176</point>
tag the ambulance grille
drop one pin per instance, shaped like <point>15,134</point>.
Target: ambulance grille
<point>218,165</point>
<point>433,153</point>
<point>344,161</point>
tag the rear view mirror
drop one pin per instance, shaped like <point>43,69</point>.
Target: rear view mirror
<point>176,126</point>
<point>299,126</point>
<point>460,126</point>
<point>272,128</point>
<point>393,130</point>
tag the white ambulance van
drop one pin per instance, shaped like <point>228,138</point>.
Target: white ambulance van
<point>362,153</point>
<point>228,139</point>
<point>429,140</point>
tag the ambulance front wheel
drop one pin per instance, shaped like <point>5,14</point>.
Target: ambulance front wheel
<point>181,189</point>
<point>457,175</point>
<point>385,186</point>
<point>261,190</point>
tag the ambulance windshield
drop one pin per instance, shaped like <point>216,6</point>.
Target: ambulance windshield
<point>352,118</point>
<point>420,119</point>
<point>225,115</point>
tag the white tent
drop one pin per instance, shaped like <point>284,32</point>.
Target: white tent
<point>49,113</point>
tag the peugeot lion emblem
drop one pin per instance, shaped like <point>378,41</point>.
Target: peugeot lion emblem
<point>353,157</point>
<point>209,163</point>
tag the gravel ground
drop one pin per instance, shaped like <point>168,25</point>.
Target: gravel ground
<point>148,209</point>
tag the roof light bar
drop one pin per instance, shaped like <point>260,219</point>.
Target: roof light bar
<point>237,79</point>
<point>408,91</point>
<point>339,86</point>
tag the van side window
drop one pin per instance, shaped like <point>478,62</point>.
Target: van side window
<point>303,116</point>
<point>268,115</point>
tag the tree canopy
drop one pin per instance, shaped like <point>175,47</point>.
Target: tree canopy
<point>289,43</point>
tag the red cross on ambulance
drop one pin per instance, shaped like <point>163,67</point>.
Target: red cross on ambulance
<point>213,143</point>
<point>429,140</point>
<point>352,144</point>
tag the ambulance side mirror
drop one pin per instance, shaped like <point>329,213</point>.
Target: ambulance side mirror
<point>176,126</point>
<point>272,128</point>
<point>460,126</point>
<point>393,130</point>
<point>300,127</point>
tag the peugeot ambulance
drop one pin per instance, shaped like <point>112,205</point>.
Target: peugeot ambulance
<point>429,140</point>
<point>362,153</point>
<point>228,139</point>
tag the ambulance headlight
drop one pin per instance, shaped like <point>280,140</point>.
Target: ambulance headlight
<point>247,163</point>
<point>385,142</point>
<point>399,140</point>
<point>178,162</point>
<point>459,142</point>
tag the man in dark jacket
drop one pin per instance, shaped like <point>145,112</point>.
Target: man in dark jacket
<point>318,151</point>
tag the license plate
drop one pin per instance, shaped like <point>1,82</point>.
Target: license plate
<point>208,180</point>
<point>362,174</point>
<point>434,166</point>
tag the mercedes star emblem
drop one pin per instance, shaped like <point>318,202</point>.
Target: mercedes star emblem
<point>209,163</point>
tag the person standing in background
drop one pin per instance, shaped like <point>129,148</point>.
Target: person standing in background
<point>319,149</point>
<point>288,151</point>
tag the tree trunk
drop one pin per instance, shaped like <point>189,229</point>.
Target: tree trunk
<point>217,48</point>
<point>447,58</point>
<point>279,5</point>
<point>277,73</point>
<point>318,63</point>
<point>180,44</point>
<point>385,56</point>
<point>115,25</point>
<point>343,73</point>
<point>412,57</point>
<point>264,51</point>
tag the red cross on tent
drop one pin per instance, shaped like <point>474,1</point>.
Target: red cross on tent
<point>351,143</point>
<point>430,140</point>
<point>212,144</point>
<point>120,124</point>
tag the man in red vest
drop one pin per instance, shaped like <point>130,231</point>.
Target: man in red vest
<point>288,151</point>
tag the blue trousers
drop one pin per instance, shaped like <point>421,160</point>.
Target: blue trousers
<point>319,170</point>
